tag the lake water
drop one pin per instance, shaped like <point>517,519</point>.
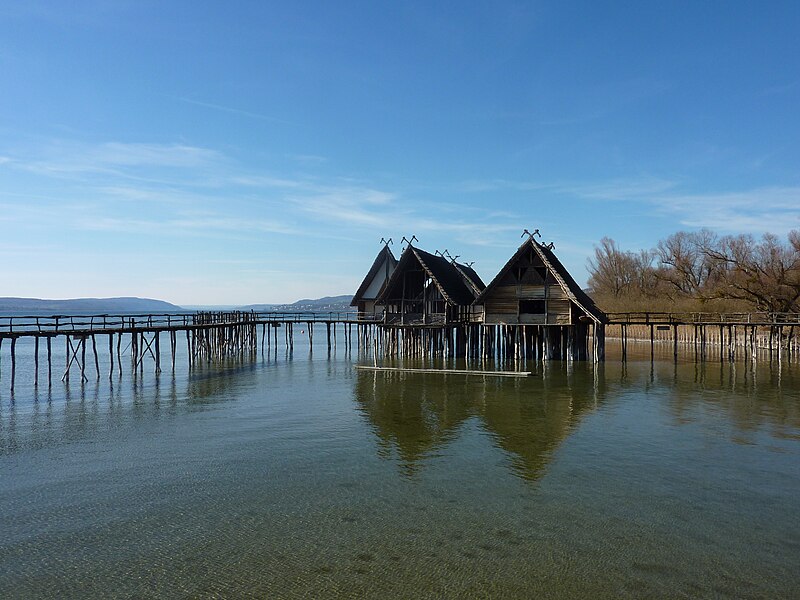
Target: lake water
<point>300,477</point>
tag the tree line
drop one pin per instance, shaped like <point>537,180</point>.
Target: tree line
<point>699,271</point>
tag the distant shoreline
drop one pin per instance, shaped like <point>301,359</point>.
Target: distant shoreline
<point>14,306</point>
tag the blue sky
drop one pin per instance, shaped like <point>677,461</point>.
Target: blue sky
<point>241,152</point>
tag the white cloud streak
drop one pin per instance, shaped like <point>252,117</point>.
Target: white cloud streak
<point>231,110</point>
<point>770,208</point>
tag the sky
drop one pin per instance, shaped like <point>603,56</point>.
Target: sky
<point>247,152</point>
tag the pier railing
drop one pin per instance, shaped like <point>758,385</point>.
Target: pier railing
<point>64,324</point>
<point>703,318</point>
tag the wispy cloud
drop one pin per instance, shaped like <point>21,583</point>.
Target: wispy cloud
<point>478,186</point>
<point>618,189</point>
<point>163,155</point>
<point>232,110</point>
<point>774,209</point>
<point>307,159</point>
<point>185,225</point>
<point>770,208</point>
<point>266,181</point>
<point>124,160</point>
<point>351,205</point>
<point>615,189</point>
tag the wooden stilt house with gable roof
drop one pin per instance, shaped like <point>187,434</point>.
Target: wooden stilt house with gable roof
<point>534,288</point>
<point>532,309</point>
<point>364,299</point>
<point>429,289</point>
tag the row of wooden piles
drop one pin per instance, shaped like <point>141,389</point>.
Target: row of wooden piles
<point>479,341</point>
<point>213,338</point>
<point>713,341</point>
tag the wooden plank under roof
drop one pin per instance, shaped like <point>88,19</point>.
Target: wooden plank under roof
<point>569,287</point>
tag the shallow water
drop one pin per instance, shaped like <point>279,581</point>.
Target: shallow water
<point>297,476</point>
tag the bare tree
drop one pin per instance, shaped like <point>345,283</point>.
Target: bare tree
<point>686,266</point>
<point>765,273</point>
<point>611,271</point>
<point>700,266</point>
<point>646,280</point>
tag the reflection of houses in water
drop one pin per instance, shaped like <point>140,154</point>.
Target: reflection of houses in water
<point>414,414</point>
<point>531,422</point>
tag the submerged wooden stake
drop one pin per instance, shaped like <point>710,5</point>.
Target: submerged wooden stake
<point>445,371</point>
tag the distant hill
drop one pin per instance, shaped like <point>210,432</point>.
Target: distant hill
<point>328,303</point>
<point>86,305</point>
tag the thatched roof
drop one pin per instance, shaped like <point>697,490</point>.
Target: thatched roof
<point>458,284</point>
<point>572,290</point>
<point>385,254</point>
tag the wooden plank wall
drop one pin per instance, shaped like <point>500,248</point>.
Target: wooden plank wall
<point>528,279</point>
<point>502,306</point>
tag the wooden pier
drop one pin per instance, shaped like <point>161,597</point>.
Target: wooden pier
<point>216,336</point>
<point>722,336</point>
<point>209,337</point>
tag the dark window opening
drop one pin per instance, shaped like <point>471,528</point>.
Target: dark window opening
<point>532,307</point>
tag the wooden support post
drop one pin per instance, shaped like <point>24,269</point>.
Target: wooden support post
<point>134,337</point>
<point>49,362</point>
<point>600,333</point>
<point>119,353</point>
<point>111,355</point>
<point>675,343</point>
<point>96,360</point>
<point>158,352</point>
<point>623,336</point>
<point>731,343</point>
<point>173,342</point>
<point>36,362</point>
<point>13,361</point>
<point>703,336</point>
<point>65,377</point>
<point>771,333</point>
<point>82,343</point>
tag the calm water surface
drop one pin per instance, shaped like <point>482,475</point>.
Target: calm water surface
<point>299,477</point>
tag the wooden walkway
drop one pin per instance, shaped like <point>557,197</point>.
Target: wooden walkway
<point>761,319</point>
<point>209,336</point>
<point>721,335</point>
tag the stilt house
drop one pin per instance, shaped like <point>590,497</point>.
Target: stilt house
<point>373,284</point>
<point>429,289</point>
<point>534,288</point>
